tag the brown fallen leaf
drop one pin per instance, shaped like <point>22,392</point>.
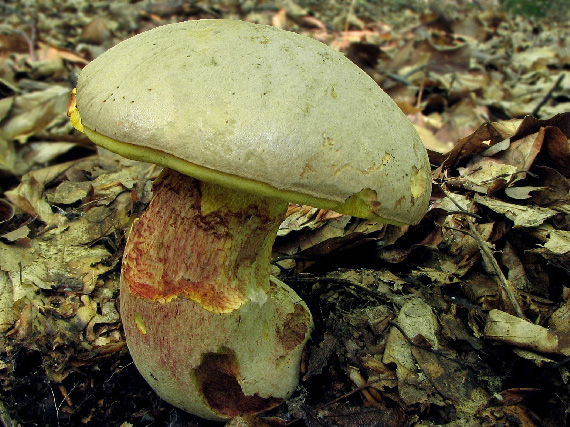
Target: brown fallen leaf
<point>34,111</point>
<point>509,329</point>
<point>415,318</point>
<point>96,31</point>
<point>453,380</point>
<point>507,415</point>
<point>49,52</point>
<point>254,421</point>
<point>484,137</point>
<point>560,319</point>
<point>521,215</point>
<point>6,211</point>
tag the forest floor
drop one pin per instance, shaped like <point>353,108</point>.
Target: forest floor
<point>462,319</point>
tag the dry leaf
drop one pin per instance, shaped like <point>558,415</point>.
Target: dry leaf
<point>522,216</point>
<point>33,112</point>
<point>509,329</point>
<point>416,319</point>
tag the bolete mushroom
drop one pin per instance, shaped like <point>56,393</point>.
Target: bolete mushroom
<point>244,118</point>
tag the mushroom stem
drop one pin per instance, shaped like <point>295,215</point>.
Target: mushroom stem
<point>206,325</point>
<point>202,241</point>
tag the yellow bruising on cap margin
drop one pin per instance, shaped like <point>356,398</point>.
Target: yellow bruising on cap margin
<point>360,204</point>
<point>418,183</point>
<point>73,112</point>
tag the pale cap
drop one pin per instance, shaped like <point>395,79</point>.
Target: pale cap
<point>258,108</point>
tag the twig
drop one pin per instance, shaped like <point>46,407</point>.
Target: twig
<point>346,284</point>
<point>429,349</point>
<point>505,285</point>
<point>350,12</point>
<point>560,364</point>
<point>55,405</point>
<point>346,395</point>
<point>548,95</point>
<point>30,39</point>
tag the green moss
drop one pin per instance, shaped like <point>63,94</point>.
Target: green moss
<point>537,8</point>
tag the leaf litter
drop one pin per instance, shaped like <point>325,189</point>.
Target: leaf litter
<point>460,320</point>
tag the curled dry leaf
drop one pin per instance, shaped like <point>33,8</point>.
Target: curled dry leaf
<point>555,241</point>
<point>6,211</point>
<point>415,319</point>
<point>521,215</point>
<point>67,254</point>
<point>28,196</point>
<point>96,31</point>
<point>501,326</point>
<point>33,112</point>
<point>427,370</point>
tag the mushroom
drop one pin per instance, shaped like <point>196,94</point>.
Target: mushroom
<point>244,118</point>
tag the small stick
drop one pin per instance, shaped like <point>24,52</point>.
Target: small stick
<point>506,286</point>
<point>548,95</point>
<point>65,395</point>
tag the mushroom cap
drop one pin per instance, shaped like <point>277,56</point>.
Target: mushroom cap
<point>260,109</point>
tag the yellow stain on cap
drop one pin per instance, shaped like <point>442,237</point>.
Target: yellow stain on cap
<point>73,112</point>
